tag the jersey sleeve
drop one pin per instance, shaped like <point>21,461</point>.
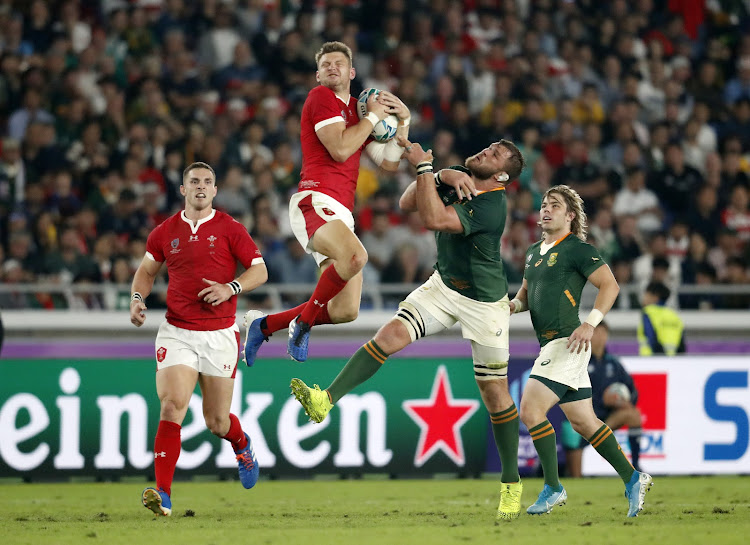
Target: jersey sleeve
<point>243,246</point>
<point>325,108</point>
<point>155,245</point>
<point>478,215</point>
<point>588,259</point>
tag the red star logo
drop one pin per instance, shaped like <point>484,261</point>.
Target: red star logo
<point>440,419</point>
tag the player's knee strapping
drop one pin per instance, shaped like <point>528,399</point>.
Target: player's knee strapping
<point>412,318</point>
<point>489,362</point>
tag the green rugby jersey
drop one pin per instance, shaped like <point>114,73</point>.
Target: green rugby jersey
<point>555,281</point>
<point>470,262</point>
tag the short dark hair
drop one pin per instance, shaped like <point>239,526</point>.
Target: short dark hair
<point>515,163</point>
<point>334,47</point>
<point>660,263</point>
<point>198,164</point>
<point>658,289</point>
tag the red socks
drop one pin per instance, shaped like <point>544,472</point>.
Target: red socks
<point>276,322</point>
<point>280,320</point>
<point>329,285</point>
<point>167,447</point>
<point>235,435</point>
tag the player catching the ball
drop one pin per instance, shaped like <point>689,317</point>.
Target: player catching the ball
<point>469,287</point>
<point>556,270</point>
<point>333,138</point>
<point>200,341</point>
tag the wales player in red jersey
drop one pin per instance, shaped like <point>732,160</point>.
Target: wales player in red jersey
<point>333,138</point>
<point>557,268</point>
<point>200,340</point>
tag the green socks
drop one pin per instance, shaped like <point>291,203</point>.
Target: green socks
<point>505,430</point>
<point>545,444</point>
<point>605,444</point>
<point>361,366</point>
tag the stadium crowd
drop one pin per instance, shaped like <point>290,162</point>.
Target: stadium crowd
<point>642,106</point>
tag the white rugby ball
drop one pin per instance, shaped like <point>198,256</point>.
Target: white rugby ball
<point>620,390</point>
<point>385,129</point>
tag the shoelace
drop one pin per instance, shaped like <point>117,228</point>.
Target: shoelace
<point>246,460</point>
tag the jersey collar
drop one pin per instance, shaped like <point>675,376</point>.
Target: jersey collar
<point>559,240</point>
<point>194,228</point>
<point>491,190</point>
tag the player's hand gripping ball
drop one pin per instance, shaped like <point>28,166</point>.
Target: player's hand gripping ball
<point>385,129</point>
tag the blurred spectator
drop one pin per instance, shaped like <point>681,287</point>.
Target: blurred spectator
<point>291,265</point>
<point>380,240</point>
<point>704,213</point>
<point>736,275</point>
<point>736,216</point>
<point>676,184</point>
<point>635,199</point>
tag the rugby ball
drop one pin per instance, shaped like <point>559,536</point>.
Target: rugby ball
<point>616,394</point>
<point>385,129</point>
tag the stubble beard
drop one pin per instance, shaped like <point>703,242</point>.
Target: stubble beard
<point>479,172</point>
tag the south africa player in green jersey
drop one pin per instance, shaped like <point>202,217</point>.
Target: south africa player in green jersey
<point>468,287</point>
<point>557,268</point>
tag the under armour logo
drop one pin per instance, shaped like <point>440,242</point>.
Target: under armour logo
<point>193,238</point>
<point>594,259</point>
<point>161,454</point>
<point>321,305</point>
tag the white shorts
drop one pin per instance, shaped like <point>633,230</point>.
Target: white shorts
<point>310,210</point>
<point>557,363</point>
<point>485,323</point>
<point>213,353</point>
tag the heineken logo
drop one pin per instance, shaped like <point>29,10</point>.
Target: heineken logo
<point>440,419</point>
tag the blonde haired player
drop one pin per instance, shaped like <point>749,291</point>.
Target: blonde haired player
<point>556,270</point>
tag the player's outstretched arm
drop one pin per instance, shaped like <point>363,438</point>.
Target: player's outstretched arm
<point>217,293</point>
<point>143,283</point>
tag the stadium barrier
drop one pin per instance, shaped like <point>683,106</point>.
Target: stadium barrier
<point>420,415</point>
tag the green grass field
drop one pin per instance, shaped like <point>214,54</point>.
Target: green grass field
<point>713,510</point>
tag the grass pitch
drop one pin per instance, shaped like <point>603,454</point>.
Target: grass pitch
<point>678,511</point>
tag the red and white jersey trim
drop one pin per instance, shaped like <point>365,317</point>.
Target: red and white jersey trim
<point>320,124</point>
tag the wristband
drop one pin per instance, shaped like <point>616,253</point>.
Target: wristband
<point>235,286</point>
<point>136,297</point>
<point>438,181</point>
<point>518,306</point>
<point>373,118</point>
<point>405,122</point>
<point>595,317</point>
<point>392,151</point>
<point>424,169</point>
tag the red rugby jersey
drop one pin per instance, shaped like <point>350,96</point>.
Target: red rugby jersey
<point>211,250</point>
<point>319,170</point>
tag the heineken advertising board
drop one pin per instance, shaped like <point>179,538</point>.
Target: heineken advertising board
<point>98,418</point>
